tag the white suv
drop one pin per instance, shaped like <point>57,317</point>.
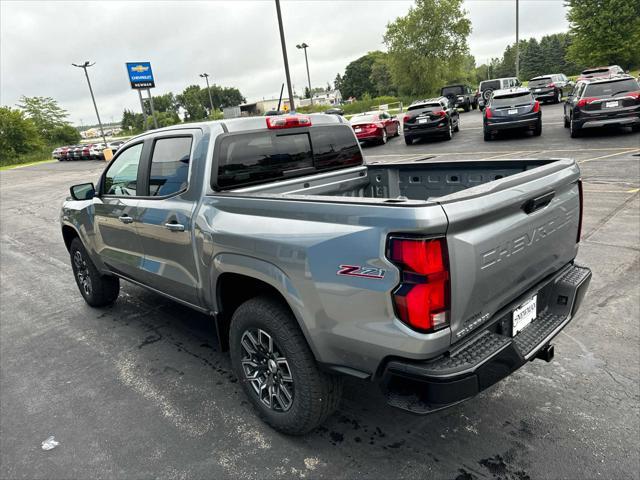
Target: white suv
<point>486,88</point>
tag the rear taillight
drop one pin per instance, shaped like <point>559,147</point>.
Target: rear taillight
<point>422,299</point>
<point>635,95</point>
<point>551,85</point>
<point>442,113</point>
<point>586,100</point>
<point>406,118</point>
<point>581,207</point>
<point>292,121</point>
<point>536,106</point>
<point>488,113</point>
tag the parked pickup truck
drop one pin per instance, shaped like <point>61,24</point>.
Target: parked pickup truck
<point>433,279</point>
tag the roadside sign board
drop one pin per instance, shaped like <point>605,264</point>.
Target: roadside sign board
<point>140,75</point>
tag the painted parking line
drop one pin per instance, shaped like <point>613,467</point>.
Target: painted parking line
<point>608,156</point>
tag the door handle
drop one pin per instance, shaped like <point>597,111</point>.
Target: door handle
<point>174,227</point>
<point>125,219</point>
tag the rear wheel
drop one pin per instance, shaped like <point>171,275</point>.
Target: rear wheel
<point>457,127</point>
<point>537,131</point>
<point>574,130</point>
<point>566,122</point>
<point>384,138</point>
<point>487,135</point>
<point>467,105</point>
<point>449,133</point>
<point>558,98</point>
<point>277,370</point>
<point>98,290</point>
<point>408,140</point>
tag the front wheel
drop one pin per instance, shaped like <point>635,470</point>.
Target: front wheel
<point>98,290</point>
<point>277,370</point>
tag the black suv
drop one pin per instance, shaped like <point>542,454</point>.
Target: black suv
<point>550,87</point>
<point>603,102</point>
<point>511,109</point>
<point>462,96</point>
<point>430,117</point>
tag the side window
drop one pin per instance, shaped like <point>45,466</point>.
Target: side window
<point>121,177</point>
<point>169,166</point>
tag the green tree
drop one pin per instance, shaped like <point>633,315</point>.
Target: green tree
<point>426,46</point>
<point>307,92</point>
<point>45,113</point>
<point>337,83</point>
<point>18,134</point>
<point>132,122</point>
<point>165,103</point>
<point>380,77</point>
<point>357,76</point>
<point>64,135</point>
<point>604,32</point>
<point>191,100</point>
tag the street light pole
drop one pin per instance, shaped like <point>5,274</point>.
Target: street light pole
<point>517,40</point>
<point>206,77</point>
<point>304,47</point>
<point>292,105</point>
<point>84,66</point>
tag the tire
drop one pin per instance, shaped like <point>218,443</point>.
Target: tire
<point>408,140</point>
<point>538,130</point>
<point>457,127</point>
<point>384,138</point>
<point>558,98</point>
<point>96,289</point>
<point>467,105</point>
<point>566,122</point>
<point>487,136</point>
<point>449,134</point>
<point>301,403</point>
<point>574,130</point>
<point>635,128</point>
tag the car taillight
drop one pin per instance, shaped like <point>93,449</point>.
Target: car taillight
<point>288,121</point>
<point>442,113</point>
<point>635,95</point>
<point>536,106</point>
<point>422,299</point>
<point>488,113</point>
<point>581,208</point>
<point>406,118</point>
<point>586,100</point>
<point>551,85</point>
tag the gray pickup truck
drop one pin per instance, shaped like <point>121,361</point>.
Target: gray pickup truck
<point>433,279</point>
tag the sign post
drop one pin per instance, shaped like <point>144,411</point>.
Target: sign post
<point>141,78</point>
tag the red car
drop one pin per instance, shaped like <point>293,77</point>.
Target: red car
<point>375,126</point>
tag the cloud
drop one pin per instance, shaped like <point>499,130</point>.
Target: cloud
<point>236,42</point>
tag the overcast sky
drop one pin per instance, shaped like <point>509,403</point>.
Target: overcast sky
<point>236,42</point>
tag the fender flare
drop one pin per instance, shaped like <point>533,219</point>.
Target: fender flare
<point>268,273</point>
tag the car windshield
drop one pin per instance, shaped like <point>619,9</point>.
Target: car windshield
<point>490,84</point>
<point>422,106</point>
<point>607,89</point>
<point>455,90</point>
<point>537,82</point>
<point>512,100</point>
<point>364,119</point>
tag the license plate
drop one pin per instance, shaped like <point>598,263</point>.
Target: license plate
<point>524,315</point>
<point>513,111</point>
<point>423,120</point>
<point>611,104</point>
<point>358,130</point>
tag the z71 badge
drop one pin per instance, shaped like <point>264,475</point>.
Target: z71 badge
<point>357,271</point>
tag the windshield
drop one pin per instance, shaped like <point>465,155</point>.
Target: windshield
<point>492,84</point>
<point>606,89</point>
<point>422,106</point>
<point>513,100</point>
<point>365,119</point>
<point>455,90</point>
<point>537,82</point>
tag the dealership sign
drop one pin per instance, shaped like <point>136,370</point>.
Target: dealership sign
<point>140,75</point>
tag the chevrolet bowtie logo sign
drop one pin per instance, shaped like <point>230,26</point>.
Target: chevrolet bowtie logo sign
<point>140,75</point>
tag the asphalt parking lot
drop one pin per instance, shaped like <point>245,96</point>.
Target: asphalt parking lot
<point>140,390</point>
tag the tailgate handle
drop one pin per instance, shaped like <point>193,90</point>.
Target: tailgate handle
<point>537,203</point>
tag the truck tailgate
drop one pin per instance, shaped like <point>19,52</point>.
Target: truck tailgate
<point>506,235</point>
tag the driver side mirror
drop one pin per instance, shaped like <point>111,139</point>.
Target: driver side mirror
<point>83,191</point>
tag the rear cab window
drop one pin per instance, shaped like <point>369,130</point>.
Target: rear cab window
<point>540,82</point>
<point>490,84</point>
<point>260,156</point>
<point>169,171</point>
<point>424,106</point>
<point>457,90</point>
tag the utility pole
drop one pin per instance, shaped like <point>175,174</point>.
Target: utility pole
<point>144,110</point>
<point>304,47</point>
<point>84,66</point>
<point>292,106</point>
<point>517,40</point>
<point>206,77</point>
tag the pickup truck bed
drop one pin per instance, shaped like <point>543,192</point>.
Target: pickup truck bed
<point>434,278</point>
